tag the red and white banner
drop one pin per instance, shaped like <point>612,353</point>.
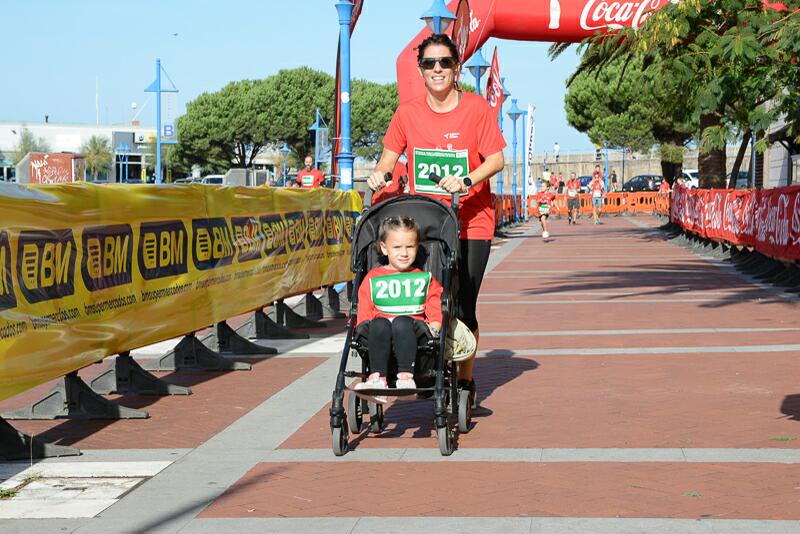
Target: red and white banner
<point>767,220</point>
<point>494,86</point>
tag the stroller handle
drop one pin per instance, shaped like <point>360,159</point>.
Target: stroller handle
<point>368,195</point>
<point>435,178</point>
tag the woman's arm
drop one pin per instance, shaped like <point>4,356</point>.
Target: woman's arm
<point>386,164</point>
<point>490,166</point>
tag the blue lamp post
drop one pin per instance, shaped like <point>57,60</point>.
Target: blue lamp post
<point>506,94</point>
<point>438,17</point>
<point>284,150</point>
<point>514,113</point>
<point>318,125</point>
<point>477,65</point>
<point>345,157</point>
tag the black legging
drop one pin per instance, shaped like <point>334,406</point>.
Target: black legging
<point>474,255</point>
<point>400,334</point>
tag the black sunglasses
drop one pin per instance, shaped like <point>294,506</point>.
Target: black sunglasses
<point>429,63</point>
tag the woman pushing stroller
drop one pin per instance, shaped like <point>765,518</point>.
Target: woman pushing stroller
<point>399,303</point>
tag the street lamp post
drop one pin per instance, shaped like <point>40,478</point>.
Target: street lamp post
<point>316,127</point>
<point>345,157</point>
<point>438,17</point>
<point>284,150</point>
<point>477,65</point>
<point>506,94</point>
<point>514,113</point>
<point>556,150</point>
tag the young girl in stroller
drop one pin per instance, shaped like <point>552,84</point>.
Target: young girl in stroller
<point>398,304</point>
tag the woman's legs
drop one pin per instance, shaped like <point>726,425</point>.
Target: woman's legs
<point>471,268</point>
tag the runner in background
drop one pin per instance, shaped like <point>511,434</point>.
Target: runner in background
<point>309,177</point>
<point>597,190</point>
<point>544,203</point>
<point>554,182</point>
<point>613,181</point>
<point>455,135</point>
<point>573,200</point>
<point>664,187</point>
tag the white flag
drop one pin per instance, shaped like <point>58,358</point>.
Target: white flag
<point>529,135</point>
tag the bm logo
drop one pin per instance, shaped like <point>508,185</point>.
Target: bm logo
<point>108,256</point>
<point>46,264</point>
<point>213,243</point>
<point>162,249</point>
<point>7,297</point>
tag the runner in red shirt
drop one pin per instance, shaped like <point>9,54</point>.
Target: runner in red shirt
<point>664,187</point>
<point>573,200</point>
<point>309,177</point>
<point>544,200</point>
<point>597,190</point>
<point>455,135</point>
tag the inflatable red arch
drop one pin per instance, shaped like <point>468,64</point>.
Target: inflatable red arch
<point>564,21</point>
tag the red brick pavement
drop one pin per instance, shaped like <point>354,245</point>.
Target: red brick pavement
<point>218,399</point>
<point>730,491</point>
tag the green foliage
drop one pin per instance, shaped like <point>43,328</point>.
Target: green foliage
<point>28,143</point>
<point>98,155</point>
<point>230,126</point>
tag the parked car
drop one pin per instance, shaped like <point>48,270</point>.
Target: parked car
<point>742,181</point>
<point>691,177</point>
<point>643,182</point>
<point>213,179</point>
<point>585,181</point>
<point>186,181</point>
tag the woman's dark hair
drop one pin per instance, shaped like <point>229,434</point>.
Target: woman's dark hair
<point>437,39</point>
<point>391,224</point>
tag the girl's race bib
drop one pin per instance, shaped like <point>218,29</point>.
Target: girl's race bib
<point>400,293</point>
<point>544,209</point>
<point>597,193</point>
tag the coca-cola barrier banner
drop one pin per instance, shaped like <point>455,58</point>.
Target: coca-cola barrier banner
<point>530,20</point>
<point>767,220</point>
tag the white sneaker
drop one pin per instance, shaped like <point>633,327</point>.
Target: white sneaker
<point>405,381</point>
<point>375,381</point>
<point>545,235</point>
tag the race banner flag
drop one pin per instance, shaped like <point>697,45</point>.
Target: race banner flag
<point>461,30</point>
<point>494,86</point>
<point>529,147</point>
<point>337,103</point>
<point>87,270</point>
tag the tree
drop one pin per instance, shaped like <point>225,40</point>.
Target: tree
<point>628,112</point>
<point>714,55</point>
<point>28,143</point>
<point>98,155</point>
<point>371,112</point>
<point>226,127</point>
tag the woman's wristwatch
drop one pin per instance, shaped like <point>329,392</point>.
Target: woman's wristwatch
<point>467,183</point>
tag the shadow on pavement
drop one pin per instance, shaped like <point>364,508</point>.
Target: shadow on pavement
<point>790,406</point>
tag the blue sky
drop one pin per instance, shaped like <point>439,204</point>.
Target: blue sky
<point>54,50</point>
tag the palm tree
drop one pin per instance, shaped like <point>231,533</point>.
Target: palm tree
<point>98,154</point>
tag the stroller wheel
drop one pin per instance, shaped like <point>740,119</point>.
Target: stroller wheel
<point>375,418</point>
<point>339,440</point>
<point>445,437</point>
<point>464,410</point>
<point>355,413</point>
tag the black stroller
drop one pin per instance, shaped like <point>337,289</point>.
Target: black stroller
<point>434,374</point>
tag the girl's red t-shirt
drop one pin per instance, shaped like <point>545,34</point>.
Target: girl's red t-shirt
<point>455,143</point>
<point>430,295</point>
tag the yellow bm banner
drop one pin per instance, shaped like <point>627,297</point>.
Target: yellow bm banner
<point>89,270</point>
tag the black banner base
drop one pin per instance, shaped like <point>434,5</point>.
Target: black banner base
<point>317,309</point>
<point>14,445</point>
<point>190,353</point>
<point>72,398</point>
<point>291,319</point>
<point>226,340</point>
<point>261,326</point>
<point>126,376</point>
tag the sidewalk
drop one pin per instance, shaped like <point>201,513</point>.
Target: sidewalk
<point>626,385</point>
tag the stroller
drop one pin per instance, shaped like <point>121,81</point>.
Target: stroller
<point>434,374</point>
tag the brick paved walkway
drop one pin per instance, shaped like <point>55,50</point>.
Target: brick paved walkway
<point>626,385</point>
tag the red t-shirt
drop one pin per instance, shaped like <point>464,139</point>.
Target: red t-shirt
<point>664,187</point>
<point>445,143</point>
<point>573,188</point>
<point>597,188</point>
<point>385,292</point>
<point>310,179</point>
<point>545,199</point>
